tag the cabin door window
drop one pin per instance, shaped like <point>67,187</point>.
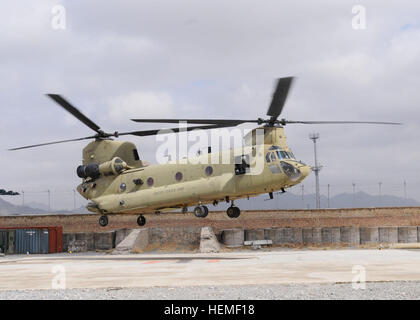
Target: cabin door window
<point>242,164</point>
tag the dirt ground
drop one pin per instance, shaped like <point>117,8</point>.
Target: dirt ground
<point>362,217</point>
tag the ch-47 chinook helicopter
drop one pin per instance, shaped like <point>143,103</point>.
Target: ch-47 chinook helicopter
<point>117,181</point>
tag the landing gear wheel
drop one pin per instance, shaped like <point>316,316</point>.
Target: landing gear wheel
<point>206,212</point>
<point>103,221</point>
<point>141,220</point>
<point>236,212</point>
<point>230,212</point>
<point>233,212</point>
<point>201,211</point>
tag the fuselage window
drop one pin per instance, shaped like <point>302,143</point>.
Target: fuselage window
<point>150,182</point>
<point>284,154</point>
<point>273,156</point>
<point>209,171</point>
<point>242,164</point>
<point>178,176</point>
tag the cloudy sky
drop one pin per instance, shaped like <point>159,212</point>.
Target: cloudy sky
<point>216,59</point>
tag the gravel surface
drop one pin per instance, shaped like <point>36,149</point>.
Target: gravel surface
<point>374,290</point>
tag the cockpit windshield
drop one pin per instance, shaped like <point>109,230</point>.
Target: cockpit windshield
<point>281,154</point>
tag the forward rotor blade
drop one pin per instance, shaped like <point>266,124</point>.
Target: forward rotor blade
<point>229,122</point>
<point>340,122</point>
<point>48,143</point>
<point>279,97</point>
<point>156,131</point>
<point>75,112</point>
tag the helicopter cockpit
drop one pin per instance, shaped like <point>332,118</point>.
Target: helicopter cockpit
<point>276,154</point>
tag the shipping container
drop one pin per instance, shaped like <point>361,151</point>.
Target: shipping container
<point>31,240</point>
<point>45,241</point>
<point>56,239</point>
<point>28,241</point>
<point>12,237</point>
<point>4,241</point>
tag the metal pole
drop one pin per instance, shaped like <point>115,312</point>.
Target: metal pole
<point>328,195</point>
<point>405,190</point>
<point>380,194</point>
<point>354,195</point>
<point>49,200</point>
<point>74,199</point>
<point>23,198</point>
<point>303,199</point>
<point>316,169</point>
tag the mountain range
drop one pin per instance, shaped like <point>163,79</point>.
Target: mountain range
<point>290,200</point>
<point>8,209</point>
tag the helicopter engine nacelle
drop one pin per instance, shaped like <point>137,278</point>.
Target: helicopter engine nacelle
<point>93,170</point>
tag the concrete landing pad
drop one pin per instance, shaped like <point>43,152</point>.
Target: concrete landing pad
<point>236,268</point>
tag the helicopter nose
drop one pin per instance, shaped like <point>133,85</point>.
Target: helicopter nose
<point>305,170</point>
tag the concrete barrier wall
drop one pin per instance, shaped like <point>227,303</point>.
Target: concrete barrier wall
<point>284,235</point>
<point>67,239</point>
<point>331,235</point>
<point>105,240</point>
<point>388,234</point>
<point>269,233</point>
<point>189,236</point>
<point>120,235</point>
<point>233,237</point>
<point>418,234</point>
<point>78,246</point>
<point>407,234</point>
<point>256,234</point>
<point>312,235</point>
<point>350,235</point>
<point>89,237</point>
<point>369,235</point>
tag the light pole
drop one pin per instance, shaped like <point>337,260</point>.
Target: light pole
<point>316,169</point>
<point>303,199</point>
<point>74,199</point>
<point>23,198</point>
<point>49,200</point>
<point>354,194</point>
<point>328,196</point>
<point>405,190</point>
<point>380,194</point>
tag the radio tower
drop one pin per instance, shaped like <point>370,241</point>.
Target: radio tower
<point>316,168</point>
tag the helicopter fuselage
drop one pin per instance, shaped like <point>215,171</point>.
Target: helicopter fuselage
<point>208,178</point>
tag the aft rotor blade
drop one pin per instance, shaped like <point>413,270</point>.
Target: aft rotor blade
<point>156,131</point>
<point>340,122</point>
<point>279,97</point>
<point>74,111</point>
<point>48,143</point>
<point>229,122</point>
